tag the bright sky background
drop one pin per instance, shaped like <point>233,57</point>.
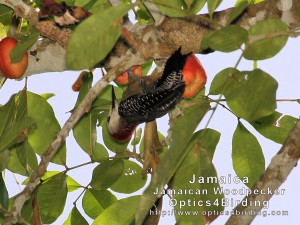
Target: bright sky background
<point>284,68</point>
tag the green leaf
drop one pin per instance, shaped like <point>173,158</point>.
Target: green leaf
<point>14,164</point>
<point>194,6</point>
<point>218,85</point>
<point>143,16</point>
<point>85,132</point>
<point>212,5</point>
<point>275,127</point>
<point>182,131</point>
<point>16,128</point>
<point>24,45</point>
<point>100,153</point>
<point>198,163</point>
<point>227,39</point>
<point>6,14</point>
<point>4,156</point>
<point>124,208</point>
<point>94,202</point>
<point>247,156</point>
<point>98,5</point>
<point>21,106</point>
<point>179,8</point>
<point>46,129</point>
<point>94,38</point>
<point>71,183</point>
<point>237,11</point>
<point>184,126</point>
<point>47,96</point>
<point>266,39</point>
<point>17,133</point>
<point>75,218</point>
<point>208,140</point>
<point>107,173</point>
<point>27,156</point>
<point>87,4</point>
<point>4,9</point>
<point>131,180</point>
<point>251,94</point>
<point>52,198</point>
<point>7,113</point>
<point>3,193</point>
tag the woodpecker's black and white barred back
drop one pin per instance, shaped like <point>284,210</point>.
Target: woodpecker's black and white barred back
<point>148,102</point>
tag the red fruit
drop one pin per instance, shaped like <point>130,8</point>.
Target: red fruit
<point>194,76</point>
<point>9,69</point>
<point>123,78</point>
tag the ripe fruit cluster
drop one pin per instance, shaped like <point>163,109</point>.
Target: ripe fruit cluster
<point>9,69</point>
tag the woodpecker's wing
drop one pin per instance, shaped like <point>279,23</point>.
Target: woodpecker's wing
<point>172,75</point>
<point>148,107</point>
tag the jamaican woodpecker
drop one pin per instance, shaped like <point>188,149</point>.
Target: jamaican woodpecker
<point>147,98</point>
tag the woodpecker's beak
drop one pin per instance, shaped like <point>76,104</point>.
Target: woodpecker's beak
<point>114,101</point>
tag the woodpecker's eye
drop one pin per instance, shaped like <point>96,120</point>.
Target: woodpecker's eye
<point>108,119</point>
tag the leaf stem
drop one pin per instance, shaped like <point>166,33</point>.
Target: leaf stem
<point>126,154</point>
<point>238,61</point>
<point>77,166</point>
<point>84,190</point>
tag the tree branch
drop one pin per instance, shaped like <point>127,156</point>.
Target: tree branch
<point>155,12</point>
<point>160,41</point>
<point>46,56</point>
<point>82,108</point>
<point>277,172</point>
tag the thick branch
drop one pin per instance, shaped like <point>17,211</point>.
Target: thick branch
<point>160,41</point>
<point>276,173</point>
<point>46,56</point>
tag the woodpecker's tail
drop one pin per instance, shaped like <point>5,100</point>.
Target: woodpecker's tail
<point>172,75</point>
